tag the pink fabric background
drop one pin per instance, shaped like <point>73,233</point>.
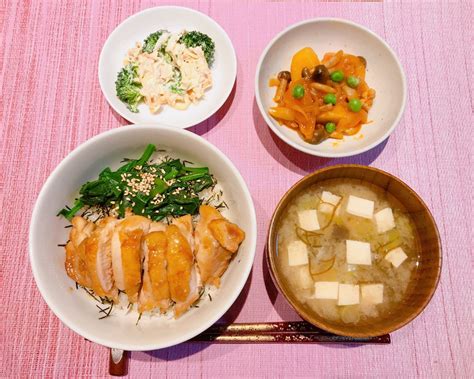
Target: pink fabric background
<point>51,102</point>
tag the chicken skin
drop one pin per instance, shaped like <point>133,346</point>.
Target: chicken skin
<point>76,265</point>
<point>155,291</point>
<point>182,274</point>
<point>216,241</point>
<point>185,226</point>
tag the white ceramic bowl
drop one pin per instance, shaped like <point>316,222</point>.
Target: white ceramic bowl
<point>74,307</point>
<point>175,19</point>
<point>384,74</point>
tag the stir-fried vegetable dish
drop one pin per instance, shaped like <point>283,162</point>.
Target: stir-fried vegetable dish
<point>323,99</point>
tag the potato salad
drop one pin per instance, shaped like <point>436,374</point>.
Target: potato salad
<point>166,69</point>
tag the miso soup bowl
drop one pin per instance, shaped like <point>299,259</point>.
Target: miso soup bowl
<point>423,281</point>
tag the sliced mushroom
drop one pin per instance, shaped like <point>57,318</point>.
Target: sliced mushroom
<point>285,78</point>
<point>320,74</point>
<point>350,92</point>
<point>306,73</point>
<point>326,108</point>
<point>334,60</point>
<point>363,60</point>
<point>319,134</point>
<point>323,88</point>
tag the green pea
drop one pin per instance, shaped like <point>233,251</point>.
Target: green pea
<point>337,76</point>
<point>353,81</point>
<point>298,91</point>
<point>330,98</point>
<point>330,127</point>
<point>355,105</point>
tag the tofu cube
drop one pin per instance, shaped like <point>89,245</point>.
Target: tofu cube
<point>326,208</point>
<point>305,279</point>
<point>372,293</point>
<point>308,220</point>
<point>326,290</point>
<point>348,294</point>
<point>360,207</point>
<point>358,253</point>
<point>396,256</point>
<point>297,253</point>
<point>331,199</point>
<point>384,220</point>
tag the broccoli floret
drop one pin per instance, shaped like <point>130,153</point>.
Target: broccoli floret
<point>128,87</point>
<point>195,39</point>
<point>176,83</point>
<point>150,41</point>
<point>175,88</point>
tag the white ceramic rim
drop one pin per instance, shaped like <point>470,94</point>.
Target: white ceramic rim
<point>228,302</point>
<point>212,109</point>
<point>307,150</point>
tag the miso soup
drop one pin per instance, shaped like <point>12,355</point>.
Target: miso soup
<point>347,249</point>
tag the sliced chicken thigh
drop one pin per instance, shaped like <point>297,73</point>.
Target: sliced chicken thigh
<point>185,226</point>
<point>76,265</point>
<point>155,289</point>
<point>216,241</point>
<point>182,274</point>
<point>99,258</point>
<point>126,254</point>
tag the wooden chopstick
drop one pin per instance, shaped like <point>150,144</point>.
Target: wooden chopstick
<point>262,332</point>
<point>278,332</point>
<point>118,362</point>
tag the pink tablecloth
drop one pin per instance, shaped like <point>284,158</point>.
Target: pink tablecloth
<point>51,102</point>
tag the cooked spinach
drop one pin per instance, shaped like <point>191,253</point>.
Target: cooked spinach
<point>154,190</point>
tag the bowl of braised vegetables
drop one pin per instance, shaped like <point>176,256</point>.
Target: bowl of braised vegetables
<point>330,88</point>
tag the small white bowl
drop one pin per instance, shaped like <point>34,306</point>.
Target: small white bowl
<point>384,74</point>
<point>175,19</point>
<point>74,307</point>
